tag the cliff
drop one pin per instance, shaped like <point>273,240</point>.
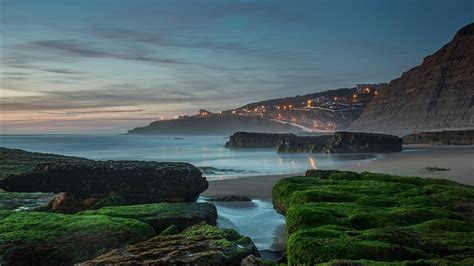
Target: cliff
<point>451,137</point>
<point>438,94</point>
<point>214,124</point>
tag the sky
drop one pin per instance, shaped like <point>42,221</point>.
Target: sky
<point>106,66</point>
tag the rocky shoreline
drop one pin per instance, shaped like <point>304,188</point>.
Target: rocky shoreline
<point>112,212</point>
<point>333,218</point>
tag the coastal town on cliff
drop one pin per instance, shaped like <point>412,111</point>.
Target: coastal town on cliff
<point>253,133</point>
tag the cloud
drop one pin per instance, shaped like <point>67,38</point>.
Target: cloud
<point>47,50</point>
<point>63,71</point>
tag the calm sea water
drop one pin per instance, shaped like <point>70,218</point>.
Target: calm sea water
<point>206,152</point>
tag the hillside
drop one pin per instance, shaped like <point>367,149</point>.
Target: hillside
<point>213,124</point>
<point>438,94</point>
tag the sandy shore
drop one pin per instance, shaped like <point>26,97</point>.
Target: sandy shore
<point>412,162</point>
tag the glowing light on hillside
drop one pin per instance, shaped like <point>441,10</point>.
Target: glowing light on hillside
<point>354,96</point>
<point>291,106</point>
<point>376,92</point>
<point>335,98</point>
<point>309,103</point>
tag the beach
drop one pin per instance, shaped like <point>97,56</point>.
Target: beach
<point>412,162</point>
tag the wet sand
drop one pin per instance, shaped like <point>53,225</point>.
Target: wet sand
<point>412,162</point>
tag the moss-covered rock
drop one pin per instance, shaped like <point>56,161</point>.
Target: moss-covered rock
<point>15,161</point>
<point>200,244</point>
<point>162,215</point>
<point>36,238</point>
<point>347,218</point>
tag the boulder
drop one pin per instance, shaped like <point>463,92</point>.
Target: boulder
<point>356,142</point>
<point>197,245</point>
<point>162,215</point>
<point>136,182</point>
<point>38,238</point>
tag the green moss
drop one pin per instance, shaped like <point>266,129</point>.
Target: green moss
<point>376,218</point>
<point>14,161</point>
<point>170,230</point>
<point>33,237</point>
<point>162,215</point>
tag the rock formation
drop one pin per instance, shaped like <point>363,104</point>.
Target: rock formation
<point>256,140</point>
<point>438,94</point>
<point>449,137</point>
<point>350,142</point>
<point>135,182</point>
<point>348,218</point>
<point>197,245</point>
<point>37,238</point>
<point>162,215</point>
<point>339,142</point>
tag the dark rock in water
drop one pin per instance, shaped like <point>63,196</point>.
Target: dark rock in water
<point>354,142</point>
<point>445,137</point>
<point>304,144</point>
<point>162,215</point>
<point>340,142</point>
<point>136,182</point>
<point>437,169</point>
<point>256,140</point>
<point>38,238</point>
<point>230,198</point>
<point>197,245</point>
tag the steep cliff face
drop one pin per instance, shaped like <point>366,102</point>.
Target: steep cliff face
<point>438,94</point>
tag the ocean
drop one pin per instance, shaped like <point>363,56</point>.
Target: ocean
<point>206,152</point>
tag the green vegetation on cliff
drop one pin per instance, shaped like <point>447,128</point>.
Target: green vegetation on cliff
<point>30,238</point>
<point>336,215</point>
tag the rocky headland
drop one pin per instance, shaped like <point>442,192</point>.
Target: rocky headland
<point>444,137</point>
<point>208,123</point>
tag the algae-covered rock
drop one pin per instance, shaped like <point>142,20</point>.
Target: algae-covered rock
<point>349,218</point>
<point>136,181</point>
<point>162,215</point>
<point>16,161</point>
<point>197,245</point>
<point>36,238</point>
